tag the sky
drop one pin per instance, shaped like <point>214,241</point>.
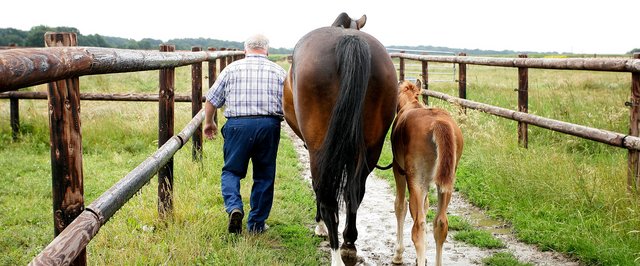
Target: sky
<point>572,26</point>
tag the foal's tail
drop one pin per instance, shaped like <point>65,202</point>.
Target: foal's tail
<point>445,140</point>
<point>342,157</point>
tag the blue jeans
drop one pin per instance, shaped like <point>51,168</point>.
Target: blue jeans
<point>254,138</point>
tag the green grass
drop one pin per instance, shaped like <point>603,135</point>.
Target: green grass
<point>563,193</point>
<point>464,231</point>
<point>503,259</point>
<point>479,238</point>
<point>117,136</point>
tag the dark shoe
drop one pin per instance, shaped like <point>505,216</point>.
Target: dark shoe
<point>235,221</point>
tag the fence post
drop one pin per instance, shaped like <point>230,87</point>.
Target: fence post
<point>462,81</point>
<point>165,132</point>
<point>229,58</point>
<point>212,79</point>
<point>196,105</point>
<point>66,145</point>
<point>425,80</point>
<point>15,117</point>
<point>401,67</point>
<point>223,60</point>
<point>523,102</point>
<point>633,170</point>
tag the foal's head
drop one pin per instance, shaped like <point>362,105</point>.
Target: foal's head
<point>343,20</point>
<point>408,93</point>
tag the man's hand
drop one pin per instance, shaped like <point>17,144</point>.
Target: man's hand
<point>210,130</point>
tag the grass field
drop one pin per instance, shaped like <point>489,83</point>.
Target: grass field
<point>562,193</point>
<point>117,137</point>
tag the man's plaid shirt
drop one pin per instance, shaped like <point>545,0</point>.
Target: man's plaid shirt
<point>249,87</point>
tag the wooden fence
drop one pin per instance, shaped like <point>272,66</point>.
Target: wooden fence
<point>628,141</point>
<point>60,64</point>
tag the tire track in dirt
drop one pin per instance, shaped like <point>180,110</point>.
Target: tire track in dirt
<point>376,225</point>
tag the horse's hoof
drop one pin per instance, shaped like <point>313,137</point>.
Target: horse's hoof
<point>321,230</point>
<point>348,250</point>
<point>349,254</point>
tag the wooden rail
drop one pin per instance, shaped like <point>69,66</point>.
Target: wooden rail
<point>60,65</point>
<point>75,237</point>
<point>24,67</point>
<point>632,65</point>
<point>120,97</point>
<point>604,136</point>
<point>596,64</point>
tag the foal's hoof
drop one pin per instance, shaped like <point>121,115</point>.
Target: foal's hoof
<point>397,261</point>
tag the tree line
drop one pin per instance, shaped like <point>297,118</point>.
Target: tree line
<point>35,38</point>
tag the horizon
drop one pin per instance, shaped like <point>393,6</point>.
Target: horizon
<point>291,48</point>
<point>544,26</point>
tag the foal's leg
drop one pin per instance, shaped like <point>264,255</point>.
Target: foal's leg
<point>441,223</point>
<point>417,206</point>
<point>401,212</point>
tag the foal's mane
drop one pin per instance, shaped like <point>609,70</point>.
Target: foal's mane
<point>408,95</point>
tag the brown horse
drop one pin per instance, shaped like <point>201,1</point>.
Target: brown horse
<point>340,99</point>
<point>427,145</point>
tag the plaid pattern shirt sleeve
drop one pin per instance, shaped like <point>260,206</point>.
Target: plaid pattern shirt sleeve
<point>251,86</point>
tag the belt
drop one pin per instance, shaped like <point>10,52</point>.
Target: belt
<point>256,116</point>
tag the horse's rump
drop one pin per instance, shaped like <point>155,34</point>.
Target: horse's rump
<point>338,75</point>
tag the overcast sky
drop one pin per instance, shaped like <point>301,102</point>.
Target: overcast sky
<point>578,26</point>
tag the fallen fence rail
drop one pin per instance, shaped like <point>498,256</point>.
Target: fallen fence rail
<point>60,65</point>
<point>77,235</point>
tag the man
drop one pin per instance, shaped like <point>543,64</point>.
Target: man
<point>251,91</point>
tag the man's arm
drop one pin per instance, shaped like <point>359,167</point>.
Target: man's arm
<point>210,128</point>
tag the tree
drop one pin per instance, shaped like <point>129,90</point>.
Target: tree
<point>132,44</point>
<point>92,40</point>
<point>636,50</point>
<point>35,38</point>
<point>11,36</point>
<point>149,44</point>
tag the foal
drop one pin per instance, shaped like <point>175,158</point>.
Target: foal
<point>427,145</point>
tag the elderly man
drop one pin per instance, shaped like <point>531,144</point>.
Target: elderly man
<point>251,91</point>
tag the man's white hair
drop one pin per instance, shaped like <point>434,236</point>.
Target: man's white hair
<point>256,42</point>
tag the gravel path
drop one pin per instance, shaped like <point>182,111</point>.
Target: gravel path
<point>376,225</point>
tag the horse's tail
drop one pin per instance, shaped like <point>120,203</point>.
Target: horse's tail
<point>342,156</point>
<point>444,138</point>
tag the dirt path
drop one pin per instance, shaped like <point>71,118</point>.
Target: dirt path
<point>376,225</point>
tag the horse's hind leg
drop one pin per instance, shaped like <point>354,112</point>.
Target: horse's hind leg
<point>400,206</point>
<point>348,249</point>
<point>441,223</point>
<point>330,217</point>
<point>417,206</point>
<point>350,234</point>
<point>321,227</point>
